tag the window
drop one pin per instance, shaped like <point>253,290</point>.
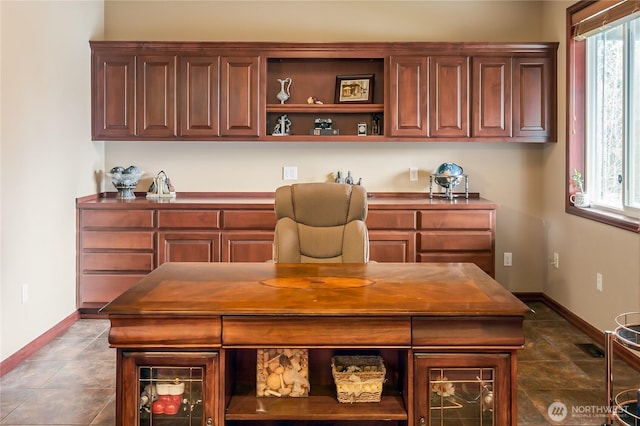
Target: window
<point>604,109</point>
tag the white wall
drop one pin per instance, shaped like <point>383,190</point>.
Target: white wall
<point>47,159</point>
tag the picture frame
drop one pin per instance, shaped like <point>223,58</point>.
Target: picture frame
<point>354,89</point>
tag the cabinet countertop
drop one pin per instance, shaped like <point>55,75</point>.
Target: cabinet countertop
<point>262,200</point>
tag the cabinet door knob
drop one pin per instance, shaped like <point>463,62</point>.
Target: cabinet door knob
<point>423,421</point>
<point>209,421</point>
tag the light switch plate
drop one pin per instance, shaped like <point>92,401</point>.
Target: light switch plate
<point>290,173</point>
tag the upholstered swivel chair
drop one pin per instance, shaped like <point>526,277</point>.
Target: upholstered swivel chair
<point>322,223</point>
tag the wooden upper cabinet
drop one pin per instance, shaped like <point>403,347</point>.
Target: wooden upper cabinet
<point>240,96</point>
<point>199,100</point>
<point>113,95</point>
<point>534,99</point>
<point>491,99</point>
<point>408,100</point>
<point>449,96</point>
<point>156,92</point>
<point>440,92</point>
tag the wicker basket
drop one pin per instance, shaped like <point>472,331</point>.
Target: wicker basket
<point>358,378</point>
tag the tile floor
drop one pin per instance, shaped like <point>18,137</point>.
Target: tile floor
<point>71,381</point>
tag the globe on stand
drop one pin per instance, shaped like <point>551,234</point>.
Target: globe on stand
<point>448,176</point>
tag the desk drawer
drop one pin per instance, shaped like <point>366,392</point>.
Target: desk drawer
<point>468,331</point>
<point>316,331</point>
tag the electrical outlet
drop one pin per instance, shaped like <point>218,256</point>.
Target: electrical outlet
<point>598,281</point>
<point>413,173</point>
<point>290,173</point>
<point>508,259</point>
<point>24,293</point>
<point>556,261</point>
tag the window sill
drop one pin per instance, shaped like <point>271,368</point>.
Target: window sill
<point>608,218</point>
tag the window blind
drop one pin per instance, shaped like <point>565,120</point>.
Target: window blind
<point>588,18</point>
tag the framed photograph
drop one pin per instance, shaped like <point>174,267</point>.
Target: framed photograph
<point>354,88</point>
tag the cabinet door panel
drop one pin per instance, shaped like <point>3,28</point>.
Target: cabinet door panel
<point>156,87</point>
<point>239,96</point>
<point>114,96</point>
<point>449,96</point>
<point>491,97</point>
<point>485,376</point>
<point>408,100</point>
<point>198,372</point>
<point>385,246</point>
<point>188,247</point>
<point>247,246</point>
<point>532,103</point>
<point>199,96</point>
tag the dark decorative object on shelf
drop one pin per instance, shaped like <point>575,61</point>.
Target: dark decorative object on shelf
<point>354,88</point>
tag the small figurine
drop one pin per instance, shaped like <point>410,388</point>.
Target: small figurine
<point>349,178</point>
<point>282,127</point>
<point>314,100</point>
<point>375,124</point>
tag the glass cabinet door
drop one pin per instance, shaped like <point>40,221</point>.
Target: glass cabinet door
<point>169,389</point>
<point>457,390</point>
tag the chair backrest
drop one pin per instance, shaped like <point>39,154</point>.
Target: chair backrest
<point>321,222</point>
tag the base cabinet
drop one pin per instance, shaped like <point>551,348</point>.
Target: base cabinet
<point>120,242</point>
<point>168,388</point>
<point>462,389</point>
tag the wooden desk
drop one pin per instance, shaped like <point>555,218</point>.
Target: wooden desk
<point>426,320</point>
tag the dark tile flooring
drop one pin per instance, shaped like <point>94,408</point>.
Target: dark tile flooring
<point>71,381</point>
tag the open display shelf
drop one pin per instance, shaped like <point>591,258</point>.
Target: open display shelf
<point>321,404</point>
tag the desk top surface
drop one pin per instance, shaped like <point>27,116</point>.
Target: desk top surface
<point>390,289</point>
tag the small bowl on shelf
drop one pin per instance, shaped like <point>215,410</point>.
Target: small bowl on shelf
<point>125,180</point>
